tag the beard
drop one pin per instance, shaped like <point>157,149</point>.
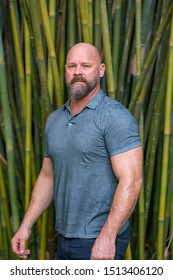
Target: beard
<point>78,91</point>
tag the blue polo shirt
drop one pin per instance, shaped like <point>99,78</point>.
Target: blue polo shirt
<point>80,148</point>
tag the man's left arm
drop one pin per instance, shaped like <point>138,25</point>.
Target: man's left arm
<point>127,167</point>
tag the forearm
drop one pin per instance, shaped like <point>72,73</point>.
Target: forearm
<point>123,204</point>
<point>41,198</point>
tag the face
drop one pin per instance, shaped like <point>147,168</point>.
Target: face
<point>83,70</point>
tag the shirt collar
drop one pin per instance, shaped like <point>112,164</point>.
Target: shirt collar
<point>92,104</point>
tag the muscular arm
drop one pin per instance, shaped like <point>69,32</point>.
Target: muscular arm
<point>128,170</point>
<point>41,198</point>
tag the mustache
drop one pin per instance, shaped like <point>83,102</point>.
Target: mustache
<point>78,79</point>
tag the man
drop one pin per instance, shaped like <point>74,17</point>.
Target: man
<point>92,167</point>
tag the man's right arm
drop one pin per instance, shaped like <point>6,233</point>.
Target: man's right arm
<point>41,198</point>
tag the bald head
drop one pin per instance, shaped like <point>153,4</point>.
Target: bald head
<point>85,49</point>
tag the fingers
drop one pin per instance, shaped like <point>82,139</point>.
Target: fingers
<point>18,247</point>
<point>22,247</point>
<point>24,254</point>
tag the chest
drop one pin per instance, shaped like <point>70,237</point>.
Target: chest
<point>78,137</point>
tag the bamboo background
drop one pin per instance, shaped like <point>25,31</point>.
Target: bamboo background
<point>135,39</point>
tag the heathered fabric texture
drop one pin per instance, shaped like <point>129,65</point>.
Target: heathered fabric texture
<point>80,148</point>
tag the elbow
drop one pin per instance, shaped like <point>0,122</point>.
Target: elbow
<point>138,184</point>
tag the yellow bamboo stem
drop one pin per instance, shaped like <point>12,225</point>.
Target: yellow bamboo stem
<point>165,158</point>
<point>51,49</point>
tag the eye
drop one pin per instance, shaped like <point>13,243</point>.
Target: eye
<point>86,66</point>
<point>71,67</point>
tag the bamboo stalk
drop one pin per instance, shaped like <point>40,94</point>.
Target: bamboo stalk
<point>138,38</point>
<point>5,244</point>
<point>71,23</point>
<point>9,140</point>
<point>43,240</point>
<point>97,29</point>
<point>153,142</point>
<point>142,202</point>
<point>162,54</point>
<point>84,20</point>
<point>116,42</point>
<point>160,32</point>
<point>167,131</point>
<point>52,19</point>
<point>125,53</point>
<point>40,55</point>
<point>61,56</point>
<point>28,118</point>
<point>90,19</point>
<point>18,53</point>
<point>171,230</point>
<point>107,48</point>
<point>51,49</point>
<point>169,196</point>
<point>4,201</point>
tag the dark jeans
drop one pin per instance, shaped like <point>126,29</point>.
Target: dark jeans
<point>80,248</point>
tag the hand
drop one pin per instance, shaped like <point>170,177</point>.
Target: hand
<point>103,248</point>
<point>19,242</point>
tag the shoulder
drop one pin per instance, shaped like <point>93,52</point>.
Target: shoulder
<point>53,116</point>
<point>113,113</point>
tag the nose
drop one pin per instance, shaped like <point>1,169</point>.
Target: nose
<point>78,70</point>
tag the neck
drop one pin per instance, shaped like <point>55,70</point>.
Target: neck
<point>78,105</point>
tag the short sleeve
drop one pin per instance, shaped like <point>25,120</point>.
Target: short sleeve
<point>120,130</point>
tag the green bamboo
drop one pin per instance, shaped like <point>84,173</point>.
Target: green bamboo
<point>52,19</point>
<point>97,37</point>
<point>40,55</point>
<point>17,123</point>
<point>116,42</point>
<point>26,12</point>
<point>142,202</point>
<point>153,224</point>
<point>61,56</point>
<point>169,194</point>
<point>84,19</point>
<point>167,131</point>
<point>162,53</point>
<point>43,241</point>
<point>5,243</point>
<point>71,21</point>
<point>1,240</point>
<point>144,91</point>
<point>90,19</point>
<point>110,8</point>
<point>125,53</point>
<point>128,254</point>
<point>9,140</point>
<point>18,52</point>
<point>36,126</point>
<point>149,7</point>
<point>162,26</point>
<point>138,38</point>
<point>51,50</point>
<point>153,141</point>
<point>28,119</point>
<point>4,201</point>
<point>79,24</point>
<point>171,230</point>
<point>107,49</point>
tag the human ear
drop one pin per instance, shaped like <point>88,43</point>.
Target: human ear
<point>102,69</point>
